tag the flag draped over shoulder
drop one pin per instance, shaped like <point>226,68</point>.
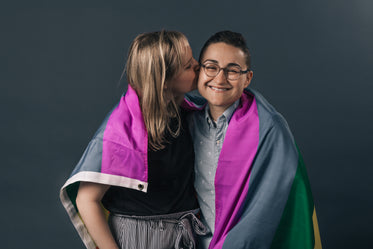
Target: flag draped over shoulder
<point>262,193</point>
<point>116,155</point>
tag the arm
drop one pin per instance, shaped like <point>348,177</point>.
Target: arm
<point>88,202</point>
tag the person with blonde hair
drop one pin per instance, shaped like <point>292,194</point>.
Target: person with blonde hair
<point>139,164</point>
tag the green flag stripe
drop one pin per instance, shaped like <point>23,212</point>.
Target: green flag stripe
<point>296,225</point>
<point>72,192</point>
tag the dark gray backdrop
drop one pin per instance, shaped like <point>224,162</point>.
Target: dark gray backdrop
<point>60,69</point>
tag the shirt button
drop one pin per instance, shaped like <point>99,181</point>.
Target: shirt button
<point>140,187</point>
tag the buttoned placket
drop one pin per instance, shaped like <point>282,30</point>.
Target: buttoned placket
<point>209,137</point>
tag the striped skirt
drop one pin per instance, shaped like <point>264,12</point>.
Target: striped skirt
<point>170,231</point>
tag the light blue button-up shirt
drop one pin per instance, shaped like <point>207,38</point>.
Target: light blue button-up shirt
<point>208,137</point>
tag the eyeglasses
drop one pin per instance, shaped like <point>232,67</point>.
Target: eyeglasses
<point>231,72</point>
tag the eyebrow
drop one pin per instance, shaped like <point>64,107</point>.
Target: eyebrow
<point>216,62</point>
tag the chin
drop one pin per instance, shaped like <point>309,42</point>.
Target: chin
<point>217,103</point>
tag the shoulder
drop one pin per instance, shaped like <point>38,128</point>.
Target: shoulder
<point>269,118</point>
<point>193,101</point>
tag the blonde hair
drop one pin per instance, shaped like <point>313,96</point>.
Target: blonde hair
<point>154,59</point>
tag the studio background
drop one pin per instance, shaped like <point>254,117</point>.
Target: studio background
<point>61,63</point>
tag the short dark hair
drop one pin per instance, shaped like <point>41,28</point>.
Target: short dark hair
<point>231,38</point>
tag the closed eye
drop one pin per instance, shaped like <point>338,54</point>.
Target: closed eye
<point>211,68</point>
<point>233,71</point>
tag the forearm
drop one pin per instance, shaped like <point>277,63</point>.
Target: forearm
<point>89,205</point>
<point>94,219</point>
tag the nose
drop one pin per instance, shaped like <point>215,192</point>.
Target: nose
<point>221,77</point>
<point>196,66</point>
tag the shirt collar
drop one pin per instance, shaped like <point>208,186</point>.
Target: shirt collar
<point>227,114</point>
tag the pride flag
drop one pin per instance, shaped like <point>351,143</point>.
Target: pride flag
<point>263,197</point>
<point>116,155</point>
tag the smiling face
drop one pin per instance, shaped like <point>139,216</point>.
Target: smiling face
<point>220,92</point>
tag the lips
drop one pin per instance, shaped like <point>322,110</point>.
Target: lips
<point>219,89</point>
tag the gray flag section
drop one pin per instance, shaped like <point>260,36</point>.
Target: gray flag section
<point>92,156</point>
<point>272,175</point>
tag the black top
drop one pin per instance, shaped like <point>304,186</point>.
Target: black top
<point>170,180</point>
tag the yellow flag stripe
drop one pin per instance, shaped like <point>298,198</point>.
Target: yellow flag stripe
<point>316,231</point>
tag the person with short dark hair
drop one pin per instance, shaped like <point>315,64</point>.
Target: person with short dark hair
<point>251,183</point>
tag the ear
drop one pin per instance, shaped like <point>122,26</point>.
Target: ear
<point>249,77</point>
